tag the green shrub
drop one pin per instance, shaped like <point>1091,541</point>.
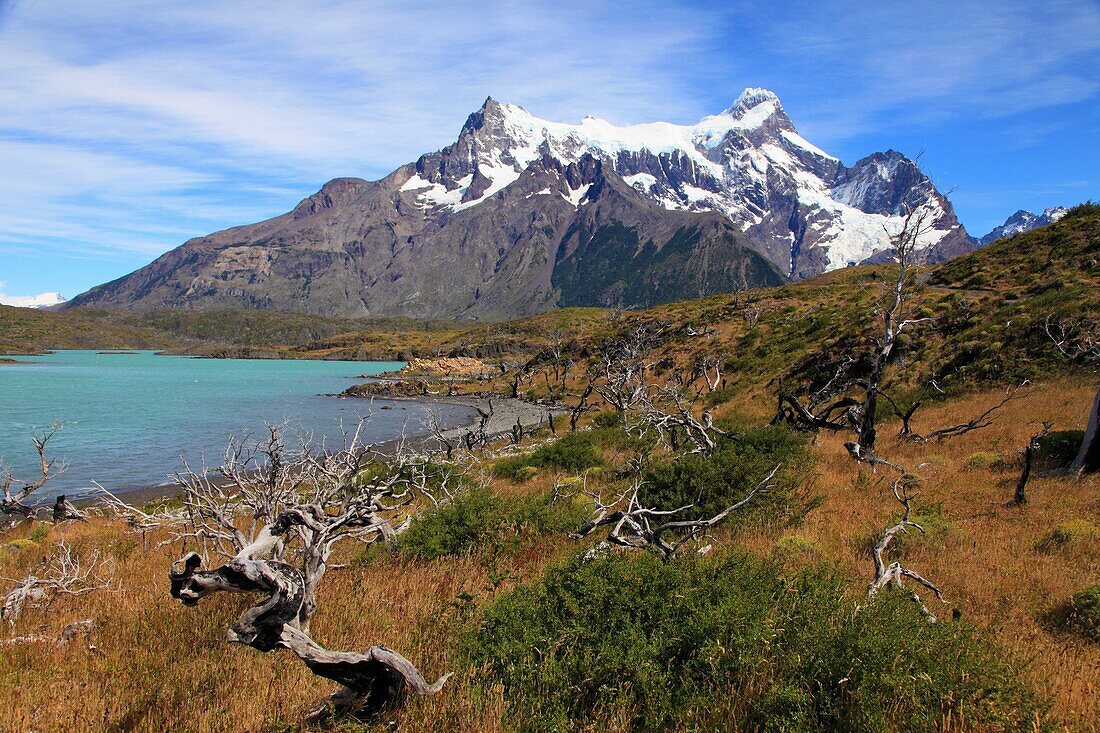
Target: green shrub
<point>719,396</point>
<point>713,482</point>
<point>39,533</point>
<point>985,461</point>
<point>1080,615</point>
<point>1058,449</point>
<point>728,644</point>
<point>538,513</point>
<point>792,546</point>
<point>1068,533</point>
<point>573,452</point>
<point>452,528</point>
<point>608,419</point>
<point>479,519</point>
<point>1087,208</point>
<point>524,473</point>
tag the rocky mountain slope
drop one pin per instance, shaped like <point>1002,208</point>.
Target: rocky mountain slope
<point>520,215</point>
<point>1023,221</point>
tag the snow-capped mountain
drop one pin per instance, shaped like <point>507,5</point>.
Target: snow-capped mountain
<point>42,300</point>
<point>522,214</point>
<point>1023,221</point>
<point>797,204</point>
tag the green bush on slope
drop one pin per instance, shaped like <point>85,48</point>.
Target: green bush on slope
<point>728,644</point>
<point>480,518</point>
<point>713,482</point>
<point>1080,615</point>
<point>572,452</point>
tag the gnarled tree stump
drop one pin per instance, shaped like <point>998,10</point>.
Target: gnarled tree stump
<point>373,680</point>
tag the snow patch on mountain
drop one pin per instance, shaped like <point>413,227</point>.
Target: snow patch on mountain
<point>641,181</point>
<point>576,195</point>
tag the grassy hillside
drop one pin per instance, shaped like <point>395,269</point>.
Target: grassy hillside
<point>985,317</point>
<point>29,331</point>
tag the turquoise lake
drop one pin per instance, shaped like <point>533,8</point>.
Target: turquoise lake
<point>130,417</point>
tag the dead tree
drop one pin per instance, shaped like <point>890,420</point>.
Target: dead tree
<point>70,632</point>
<point>442,436</point>
<point>1078,342</point>
<point>852,402</point>
<point>893,312</point>
<point>983,420</point>
<point>708,368</point>
<point>276,515</point>
<point>670,412</point>
<point>556,374</point>
<point>372,680</point>
<point>309,500</point>
<point>829,408</point>
<point>479,436</point>
<point>580,407</point>
<point>1032,449</point>
<point>16,492</point>
<point>668,409</point>
<point>894,573</point>
<point>623,364</point>
<point>636,526</point>
<point>62,573</point>
<point>144,521</point>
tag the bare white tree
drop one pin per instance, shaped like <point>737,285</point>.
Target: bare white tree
<point>16,491</point>
<point>622,366</point>
<point>276,513</point>
<point>636,526</point>
<point>894,573</point>
<point>63,572</point>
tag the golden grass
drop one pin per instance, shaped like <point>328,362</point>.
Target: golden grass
<point>160,666</point>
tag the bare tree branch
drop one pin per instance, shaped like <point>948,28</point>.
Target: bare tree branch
<point>894,573</point>
<point>63,572</point>
<point>638,527</point>
<point>1030,452</point>
<point>16,491</point>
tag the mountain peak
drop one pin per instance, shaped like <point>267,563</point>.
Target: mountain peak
<point>752,98</point>
<point>1023,221</point>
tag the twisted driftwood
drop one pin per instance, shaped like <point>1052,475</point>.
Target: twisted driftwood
<point>373,680</point>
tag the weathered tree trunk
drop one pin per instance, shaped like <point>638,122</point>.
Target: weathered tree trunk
<point>1088,458</point>
<point>374,679</point>
<point>1033,446</point>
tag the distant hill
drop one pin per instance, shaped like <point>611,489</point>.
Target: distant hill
<point>32,331</point>
<point>990,306</point>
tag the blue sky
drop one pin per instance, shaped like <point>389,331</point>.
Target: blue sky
<point>128,127</point>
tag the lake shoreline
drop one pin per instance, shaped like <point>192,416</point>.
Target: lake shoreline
<point>505,414</point>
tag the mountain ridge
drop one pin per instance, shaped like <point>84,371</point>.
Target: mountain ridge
<point>480,229</point>
<point>1023,221</point>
